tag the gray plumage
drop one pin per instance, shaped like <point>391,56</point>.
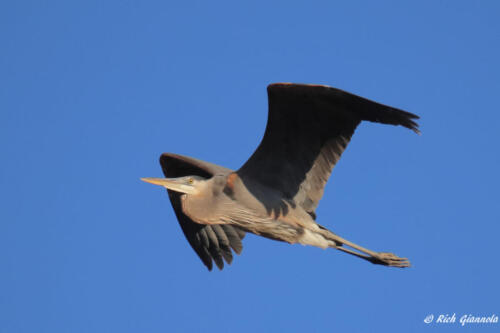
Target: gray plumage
<point>276,192</point>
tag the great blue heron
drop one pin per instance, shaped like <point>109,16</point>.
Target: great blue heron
<point>276,192</point>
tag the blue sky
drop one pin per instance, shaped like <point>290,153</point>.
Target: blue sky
<point>92,92</point>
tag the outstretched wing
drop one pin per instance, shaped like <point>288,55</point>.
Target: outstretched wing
<point>210,242</point>
<point>308,128</point>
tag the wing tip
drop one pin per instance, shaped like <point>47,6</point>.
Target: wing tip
<point>407,119</point>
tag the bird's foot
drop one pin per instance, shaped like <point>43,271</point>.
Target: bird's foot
<point>390,259</point>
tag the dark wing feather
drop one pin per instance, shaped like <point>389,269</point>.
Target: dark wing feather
<point>224,245</point>
<point>211,243</point>
<point>308,128</point>
<point>234,235</point>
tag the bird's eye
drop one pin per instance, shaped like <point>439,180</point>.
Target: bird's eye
<point>190,180</point>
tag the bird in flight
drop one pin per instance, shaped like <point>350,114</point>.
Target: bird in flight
<point>276,192</point>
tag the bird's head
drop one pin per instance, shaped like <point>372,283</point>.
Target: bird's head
<point>186,184</point>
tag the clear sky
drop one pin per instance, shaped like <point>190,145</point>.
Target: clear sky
<point>92,92</point>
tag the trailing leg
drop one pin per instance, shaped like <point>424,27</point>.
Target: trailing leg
<point>378,258</point>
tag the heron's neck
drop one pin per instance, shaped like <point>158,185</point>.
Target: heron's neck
<point>202,207</point>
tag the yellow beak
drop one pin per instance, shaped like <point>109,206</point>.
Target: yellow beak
<point>174,184</point>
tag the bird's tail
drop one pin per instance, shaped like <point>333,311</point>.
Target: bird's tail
<point>320,237</point>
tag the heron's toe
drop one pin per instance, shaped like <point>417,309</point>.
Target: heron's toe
<point>390,259</point>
